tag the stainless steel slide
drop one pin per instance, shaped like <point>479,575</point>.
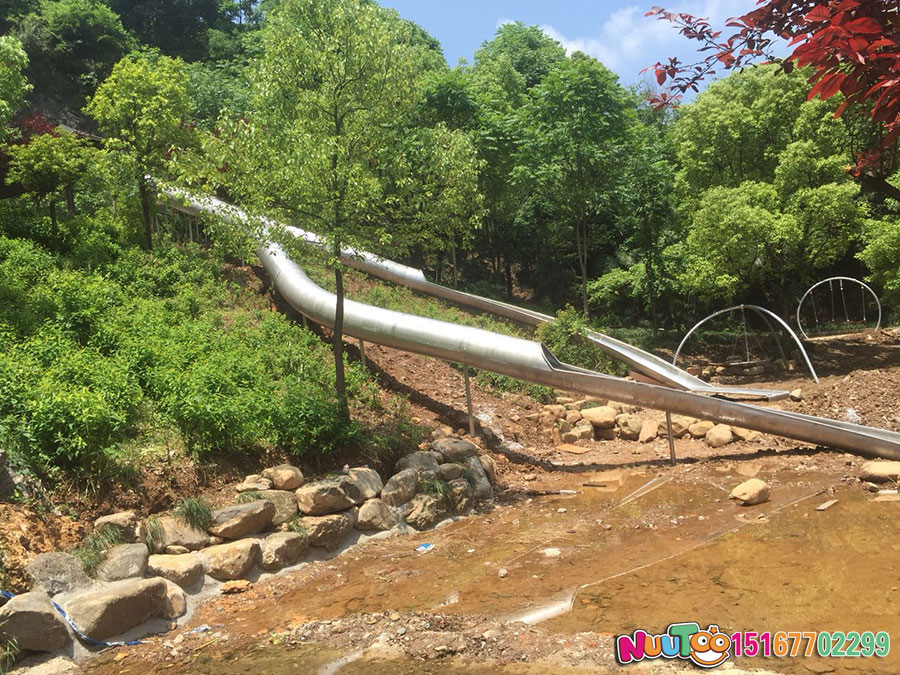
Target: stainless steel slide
<point>529,360</point>
<point>644,362</point>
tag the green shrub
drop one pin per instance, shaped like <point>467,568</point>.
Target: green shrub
<point>566,338</point>
<point>194,511</point>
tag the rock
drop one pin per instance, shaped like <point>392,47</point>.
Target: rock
<point>606,434</point>
<point>185,570</point>
<point>175,602</point>
<point>555,411</point>
<point>426,511</point>
<point>880,471</point>
<point>719,436</point>
<point>564,400</point>
<point>374,514</point>
<point>56,573</point>
<point>454,449</point>
<point>450,471</point>
<point>323,497</point>
<point>363,483</point>
<point>240,520</point>
<point>235,586</point>
<point>629,427</point>
<point>420,461</point>
<point>502,573</point>
<point>33,622</point>
<point>481,486</point>
<point>745,434</point>
<point>329,531</point>
<point>285,504</point>
<point>254,483</point>
<point>797,395</point>
<point>281,549</point>
<point>126,522</point>
<point>680,426</point>
<point>573,417</point>
<point>230,561</point>
<point>750,492</point>
<point>583,432</point>
<point>284,477</point>
<point>125,561</point>
<point>118,607</point>
<point>489,466</point>
<point>175,532</point>
<point>602,417</point>
<point>401,487</point>
<point>700,429</point>
<point>176,550</point>
<point>648,431</point>
<point>462,494</point>
<point>564,427</point>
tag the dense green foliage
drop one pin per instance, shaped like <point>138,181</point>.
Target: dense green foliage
<point>531,174</point>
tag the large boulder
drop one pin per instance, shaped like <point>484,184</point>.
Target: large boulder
<point>719,436</point>
<point>323,497</point>
<point>880,471</point>
<point>175,603</point>
<point>401,487</point>
<point>374,514</point>
<point>629,427</point>
<point>329,531</point>
<point>240,520</point>
<point>33,622</point>
<point>420,461</point>
<point>490,467</point>
<point>454,449</point>
<point>680,426</point>
<point>126,522</point>
<point>648,431</point>
<point>186,570</point>
<point>56,573</point>
<point>700,429</point>
<point>481,486</point>
<point>284,477</point>
<point>281,549</point>
<point>427,510</point>
<point>601,417</point>
<point>254,483</point>
<point>176,532</point>
<point>125,561</point>
<point>362,483</point>
<point>230,561</point>
<point>285,504</point>
<point>105,611</point>
<point>749,435</point>
<point>750,492</point>
<point>451,471</point>
<point>462,494</point>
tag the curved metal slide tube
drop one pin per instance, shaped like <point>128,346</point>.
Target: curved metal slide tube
<point>529,360</point>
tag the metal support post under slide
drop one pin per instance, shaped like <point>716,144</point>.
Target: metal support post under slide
<point>469,401</point>
<point>671,437</point>
<point>362,352</point>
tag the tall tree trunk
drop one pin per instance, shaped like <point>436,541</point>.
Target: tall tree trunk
<point>146,214</point>
<point>581,250</point>
<point>54,225</point>
<point>70,200</point>
<point>509,283</point>
<point>337,340</point>
<point>455,272</point>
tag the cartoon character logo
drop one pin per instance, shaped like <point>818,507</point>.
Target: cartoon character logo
<point>709,648</point>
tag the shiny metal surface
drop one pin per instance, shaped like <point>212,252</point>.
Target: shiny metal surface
<point>531,361</point>
<point>841,280</point>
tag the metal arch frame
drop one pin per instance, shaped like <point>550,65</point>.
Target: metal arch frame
<point>819,283</point>
<point>764,313</point>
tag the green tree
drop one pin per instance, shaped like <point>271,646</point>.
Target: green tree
<point>13,85</point>
<point>763,187</point>
<point>175,27</point>
<point>47,164</point>
<point>335,87</point>
<point>72,46</point>
<point>575,122</point>
<point>142,106</point>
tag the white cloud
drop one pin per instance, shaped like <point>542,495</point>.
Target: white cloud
<point>503,20</point>
<point>629,41</point>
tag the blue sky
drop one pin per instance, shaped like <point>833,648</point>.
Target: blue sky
<point>614,31</point>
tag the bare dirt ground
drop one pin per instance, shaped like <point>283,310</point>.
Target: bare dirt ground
<point>541,582</point>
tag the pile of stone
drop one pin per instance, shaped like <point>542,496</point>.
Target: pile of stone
<point>570,421</point>
<point>165,560</point>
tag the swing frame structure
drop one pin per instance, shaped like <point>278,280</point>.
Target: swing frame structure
<point>765,314</point>
<point>830,281</point>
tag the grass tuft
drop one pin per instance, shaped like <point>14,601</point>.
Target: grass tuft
<point>249,496</point>
<point>93,550</point>
<point>153,534</point>
<point>195,511</point>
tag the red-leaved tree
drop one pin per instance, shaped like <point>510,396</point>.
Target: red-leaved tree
<point>850,46</point>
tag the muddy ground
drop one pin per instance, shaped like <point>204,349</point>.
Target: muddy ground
<point>541,583</point>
